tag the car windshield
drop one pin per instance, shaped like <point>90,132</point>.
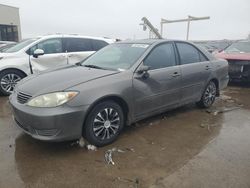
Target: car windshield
<point>116,56</point>
<point>20,45</point>
<point>239,47</point>
<point>6,47</point>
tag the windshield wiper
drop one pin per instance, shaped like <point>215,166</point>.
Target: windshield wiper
<point>93,66</point>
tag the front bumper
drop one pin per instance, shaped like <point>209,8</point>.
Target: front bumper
<point>239,70</point>
<point>50,124</point>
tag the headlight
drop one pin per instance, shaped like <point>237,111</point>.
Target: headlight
<point>52,99</point>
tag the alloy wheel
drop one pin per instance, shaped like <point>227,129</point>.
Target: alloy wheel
<point>106,124</point>
<point>9,81</point>
<point>210,94</point>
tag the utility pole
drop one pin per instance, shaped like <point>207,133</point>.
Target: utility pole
<point>188,26</point>
<point>152,30</point>
<point>188,20</point>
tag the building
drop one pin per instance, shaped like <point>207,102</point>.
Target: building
<point>10,28</point>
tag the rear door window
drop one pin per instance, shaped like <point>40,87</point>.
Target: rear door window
<point>77,44</point>
<point>203,57</point>
<point>189,54</point>
<point>98,44</point>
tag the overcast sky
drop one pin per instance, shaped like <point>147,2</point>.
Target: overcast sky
<point>230,19</point>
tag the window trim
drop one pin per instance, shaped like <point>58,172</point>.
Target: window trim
<point>199,52</point>
<point>205,57</point>
<point>176,58</point>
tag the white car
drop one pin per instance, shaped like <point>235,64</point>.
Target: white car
<point>4,43</point>
<point>38,54</point>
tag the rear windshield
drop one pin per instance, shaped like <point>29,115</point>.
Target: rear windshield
<point>239,47</point>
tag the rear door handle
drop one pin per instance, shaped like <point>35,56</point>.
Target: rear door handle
<point>175,74</point>
<point>208,67</point>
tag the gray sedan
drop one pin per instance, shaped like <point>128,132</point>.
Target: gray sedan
<point>117,86</point>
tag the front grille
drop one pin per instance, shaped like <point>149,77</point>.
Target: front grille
<point>23,97</point>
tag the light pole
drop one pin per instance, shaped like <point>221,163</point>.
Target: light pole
<point>188,20</point>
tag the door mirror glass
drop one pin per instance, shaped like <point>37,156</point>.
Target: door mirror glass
<point>38,52</point>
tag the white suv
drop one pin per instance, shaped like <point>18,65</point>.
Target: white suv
<point>38,54</point>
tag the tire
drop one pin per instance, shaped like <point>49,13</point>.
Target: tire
<point>8,80</point>
<point>208,96</point>
<point>100,129</point>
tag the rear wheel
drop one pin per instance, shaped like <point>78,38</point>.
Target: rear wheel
<point>104,123</point>
<point>208,96</point>
<point>8,80</point>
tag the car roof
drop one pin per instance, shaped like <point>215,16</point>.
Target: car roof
<point>143,41</point>
<point>152,41</point>
<point>246,41</point>
<point>158,41</point>
<point>109,40</point>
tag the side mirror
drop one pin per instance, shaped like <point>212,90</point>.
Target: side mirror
<point>38,52</point>
<point>143,71</point>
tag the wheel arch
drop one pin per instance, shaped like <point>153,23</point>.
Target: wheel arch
<point>16,69</point>
<point>117,99</point>
<point>216,81</point>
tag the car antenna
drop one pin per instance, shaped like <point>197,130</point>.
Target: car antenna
<point>30,65</point>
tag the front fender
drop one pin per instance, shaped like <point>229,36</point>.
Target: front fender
<point>118,85</point>
<point>21,64</point>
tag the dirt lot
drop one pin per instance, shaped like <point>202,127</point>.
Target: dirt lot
<point>187,147</point>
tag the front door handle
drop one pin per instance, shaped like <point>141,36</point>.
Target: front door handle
<point>175,74</point>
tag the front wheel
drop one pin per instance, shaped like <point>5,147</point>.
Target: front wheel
<point>208,96</point>
<point>104,123</point>
<point>8,81</point>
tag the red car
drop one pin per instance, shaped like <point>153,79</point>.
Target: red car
<point>238,57</point>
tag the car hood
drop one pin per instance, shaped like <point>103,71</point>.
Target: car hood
<point>60,79</point>
<point>8,55</point>
<point>234,56</point>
